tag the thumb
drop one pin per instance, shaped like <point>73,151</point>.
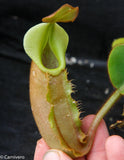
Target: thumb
<point>55,155</point>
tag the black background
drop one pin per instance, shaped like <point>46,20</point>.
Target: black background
<point>98,24</point>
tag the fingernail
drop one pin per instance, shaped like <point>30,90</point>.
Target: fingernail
<point>52,155</point>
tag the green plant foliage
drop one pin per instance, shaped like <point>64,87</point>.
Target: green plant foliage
<point>118,41</point>
<point>116,66</point>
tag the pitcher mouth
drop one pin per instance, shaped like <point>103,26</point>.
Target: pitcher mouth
<point>48,58</point>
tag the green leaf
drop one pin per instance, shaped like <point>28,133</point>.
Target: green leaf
<point>118,41</point>
<point>46,45</point>
<point>116,66</point>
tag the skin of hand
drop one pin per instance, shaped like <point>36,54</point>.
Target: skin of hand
<point>105,147</point>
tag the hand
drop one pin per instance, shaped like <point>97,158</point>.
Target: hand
<point>105,147</point>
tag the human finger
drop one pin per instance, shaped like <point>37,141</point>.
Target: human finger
<point>115,148</point>
<point>41,149</point>
<point>54,154</point>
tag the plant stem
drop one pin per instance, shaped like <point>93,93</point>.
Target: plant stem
<point>103,111</point>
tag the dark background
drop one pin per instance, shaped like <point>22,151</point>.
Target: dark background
<point>91,35</point>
